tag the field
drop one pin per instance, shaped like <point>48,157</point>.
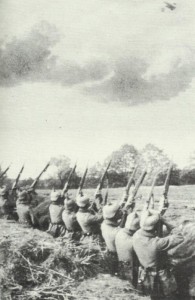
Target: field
<point>181,200</point>
<point>35,266</point>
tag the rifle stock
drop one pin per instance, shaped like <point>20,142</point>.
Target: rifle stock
<point>165,202</point>
<point>15,184</point>
<point>130,182</point>
<point>66,186</point>
<point>81,184</point>
<point>131,201</point>
<point>148,201</point>
<point>33,185</point>
<point>101,183</point>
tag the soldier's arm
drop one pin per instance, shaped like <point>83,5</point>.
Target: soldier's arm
<point>98,218</point>
<point>167,224</point>
<point>171,241</point>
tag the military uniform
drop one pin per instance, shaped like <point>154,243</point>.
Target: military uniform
<point>128,262</point>
<point>155,277</point>
<point>69,218</point>
<point>109,230</point>
<point>56,227</point>
<point>23,208</point>
<point>88,220</point>
<point>3,202</point>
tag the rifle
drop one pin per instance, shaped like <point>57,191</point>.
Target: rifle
<point>130,204</point>
<point>128,186</point>
<point>107,190</point>
<point>100,185</point>
<point>131,201</point>
<point>66,186</point>
<point>81,184</point>
<point>15,184</point>
<point>151,195</point>
<point>4,172</point>
<point>33,185</point>
<point>164,201</point>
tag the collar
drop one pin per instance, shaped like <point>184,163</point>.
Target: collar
<point>129,232</point>
<point>111,222</point>
<point>147,233</point>
<point>83,209</point>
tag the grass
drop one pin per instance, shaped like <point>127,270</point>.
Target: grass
<point>36,266</point>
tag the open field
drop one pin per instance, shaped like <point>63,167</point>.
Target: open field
<point>35,266</point>
<point>181,200</point>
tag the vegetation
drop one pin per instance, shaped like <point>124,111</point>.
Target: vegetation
<point>123,161</point>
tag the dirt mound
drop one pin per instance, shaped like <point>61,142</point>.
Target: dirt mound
<point>36,266</point>
<point>105,287</point>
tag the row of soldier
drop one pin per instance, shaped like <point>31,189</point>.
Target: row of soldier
<point>136,245</point>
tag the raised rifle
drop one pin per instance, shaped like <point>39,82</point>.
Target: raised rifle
<point>151,195</point>
<point>165,203</point>
<point>131,201</point>
<point>130,204</point>
<point>15,184</point>
<point>67,183</point>
<point>81,184</point>
<point>130,182</point>
<point>164,200</point>
<point>33,185</point>
<point>101,183</point>
<point>107,190</point>
<point>4,172</point>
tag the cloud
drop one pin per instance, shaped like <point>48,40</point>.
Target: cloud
<point>112,59</point>
<point>131,84</point>
<point>31,59</point>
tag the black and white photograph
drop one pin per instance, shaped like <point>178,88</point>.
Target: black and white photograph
<point>97,156</point>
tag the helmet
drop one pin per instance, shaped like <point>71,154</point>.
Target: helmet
<point>3,190</point>
<point>55,195</point>
<point>23,195</point>
<point>149,219</point>
<point>69,204</point>
<point>82,201</point>
<point>110,210</point>
<point>132,222</point>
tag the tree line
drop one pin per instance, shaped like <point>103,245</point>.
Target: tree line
<point>123,161</point>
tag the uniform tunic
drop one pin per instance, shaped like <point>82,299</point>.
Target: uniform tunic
<point>124,245</point>
<point>56,227</point>
<point>128,262</point>
<point>89,222</point>
<point>23,210</point>
<point>70,220</point>
<point>155,277</point>
<point>109,230</point>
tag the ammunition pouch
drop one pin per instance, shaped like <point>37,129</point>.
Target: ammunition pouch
<point>156,282</point>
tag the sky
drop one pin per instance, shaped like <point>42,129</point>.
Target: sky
<point>80,78</point>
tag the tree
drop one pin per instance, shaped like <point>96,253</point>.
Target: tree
<point>61,169</point>
<point>124,159</point>
<point>154,159</point>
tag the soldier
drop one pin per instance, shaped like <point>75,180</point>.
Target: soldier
<point>32,195</point>
<point>69,218</point>
<point>109,229</point>
<point>56,227</point>
<point>87,218</point>
<point>98,202</point>
<point>155,277</point>
<point>6,203</point>
<point>128,262</point>
<point>23,208</point>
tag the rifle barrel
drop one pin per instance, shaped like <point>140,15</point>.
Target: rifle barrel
<point>4,172</point>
